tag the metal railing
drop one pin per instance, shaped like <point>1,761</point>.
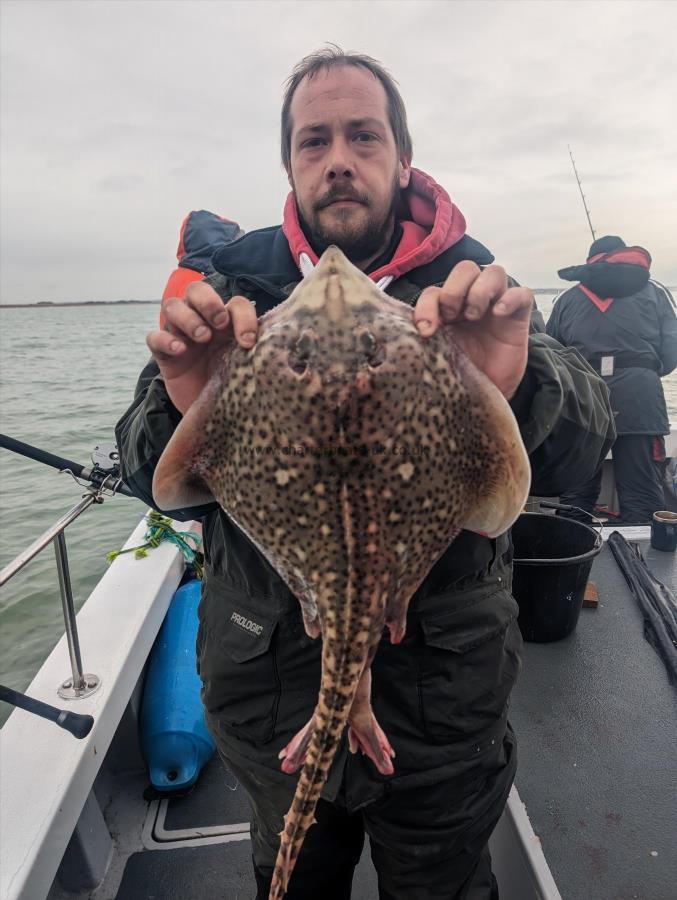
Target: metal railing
<point>79,684</point>
<point>102,479</point>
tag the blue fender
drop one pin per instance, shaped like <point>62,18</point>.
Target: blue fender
<point>174,737</point>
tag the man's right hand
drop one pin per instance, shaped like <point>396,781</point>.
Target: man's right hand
<point>196,330</point>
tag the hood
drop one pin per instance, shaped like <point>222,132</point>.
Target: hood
<point>202,234</point>
<point>433,240</point>
<point>430,221</point>
<point>618,273</point>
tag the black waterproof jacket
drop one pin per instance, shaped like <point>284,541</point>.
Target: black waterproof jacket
<point>441,695</point>
<point>637,335</point>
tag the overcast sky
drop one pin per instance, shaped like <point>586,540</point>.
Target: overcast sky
<point>120,117</point>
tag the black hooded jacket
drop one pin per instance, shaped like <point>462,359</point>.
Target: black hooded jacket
<point>631,341</point>
<point>260,685</point>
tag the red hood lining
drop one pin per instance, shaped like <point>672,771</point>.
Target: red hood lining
<point>636,256</point>
<point>181,250</point>
<point>602,305</point>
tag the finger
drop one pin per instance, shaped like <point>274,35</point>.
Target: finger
<point>194,323</point>
<point>516,302</point>
<point>164,344</point>
<point>454,291</point>
<point>202,298</point>
<point>426,311</point>
<point>489,285</point>
<point>353,743</point>
<point>245,324</point>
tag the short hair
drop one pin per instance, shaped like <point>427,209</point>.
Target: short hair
<point>328,58</point>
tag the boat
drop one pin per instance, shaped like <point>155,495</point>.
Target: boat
<point>590,815</point>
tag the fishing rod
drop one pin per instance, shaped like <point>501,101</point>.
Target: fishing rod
<point>580,188</point>
<point>103,473</point>
<point>79,725</point>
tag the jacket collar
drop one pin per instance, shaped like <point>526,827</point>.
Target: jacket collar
<point>431,223</point>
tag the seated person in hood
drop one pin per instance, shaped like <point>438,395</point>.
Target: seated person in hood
<point>202,234</point>
<point>623,323</point>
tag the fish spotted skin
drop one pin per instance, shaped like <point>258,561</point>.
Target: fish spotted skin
<point>351,451</point>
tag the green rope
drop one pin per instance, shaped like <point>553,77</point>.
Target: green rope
<point>160,530</point>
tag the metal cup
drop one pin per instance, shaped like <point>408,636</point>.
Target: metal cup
<point>664,530</point>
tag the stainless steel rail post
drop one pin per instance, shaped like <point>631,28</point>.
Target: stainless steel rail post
<point>78,685</point>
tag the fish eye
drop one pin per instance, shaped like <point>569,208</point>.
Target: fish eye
<point>299,355</point>
<point>304,345</point>
<point>374,352</point>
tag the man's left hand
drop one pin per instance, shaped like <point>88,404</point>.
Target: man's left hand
<point>489,320</point>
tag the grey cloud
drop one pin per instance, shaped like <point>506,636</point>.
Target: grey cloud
<point>120,181</point>
<point>119,112</point>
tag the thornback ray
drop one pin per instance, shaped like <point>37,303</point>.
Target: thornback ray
<point>351,451</point>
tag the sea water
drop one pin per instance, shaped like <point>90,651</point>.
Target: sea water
<point>66,376</point>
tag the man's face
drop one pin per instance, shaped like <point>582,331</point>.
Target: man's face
<point>345,169</point>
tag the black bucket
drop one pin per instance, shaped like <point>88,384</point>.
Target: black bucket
<point>553,558</point>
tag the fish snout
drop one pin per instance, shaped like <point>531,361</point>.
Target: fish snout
<point>332,262</point>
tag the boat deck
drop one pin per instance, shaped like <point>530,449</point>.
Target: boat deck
<point>596,721</point>
<point>191,847</point>
<point>219,870</point>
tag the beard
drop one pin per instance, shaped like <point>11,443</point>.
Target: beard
<point>359,241</point>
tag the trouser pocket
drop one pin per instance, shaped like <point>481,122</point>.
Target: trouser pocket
<point>470,661</point>
<point>236,662</point>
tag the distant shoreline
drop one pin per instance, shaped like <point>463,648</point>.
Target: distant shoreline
<point>48,303</point>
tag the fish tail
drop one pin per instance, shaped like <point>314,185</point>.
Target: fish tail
<point>340,678</point>
<point>346,641</point>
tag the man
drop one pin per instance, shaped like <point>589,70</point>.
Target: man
<point>625,326</point>
<point>441,695</point>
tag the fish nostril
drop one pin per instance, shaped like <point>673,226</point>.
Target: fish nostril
<point>374,352</point>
